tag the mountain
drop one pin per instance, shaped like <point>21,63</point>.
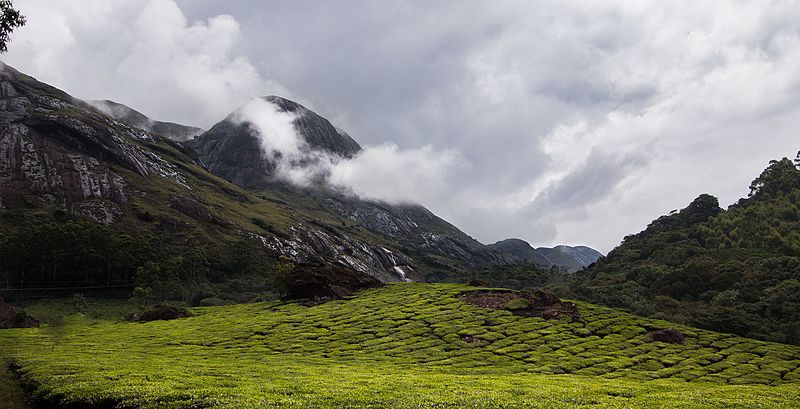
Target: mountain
<point>231,150</point>
<point>567,258</point>
<point>734,270</point>
<point>136,119</point>
<point>90,200</point>
<point>570,258</point>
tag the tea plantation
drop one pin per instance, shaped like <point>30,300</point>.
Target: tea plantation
<point>400,346</point>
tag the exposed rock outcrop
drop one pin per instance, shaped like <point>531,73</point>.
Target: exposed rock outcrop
<point>322,282</point>
<point>66,152</point>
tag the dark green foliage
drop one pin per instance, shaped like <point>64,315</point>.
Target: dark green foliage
<point>78,254</point>
<point>163,312</point>
<point>731,271</point>
<point>9,20</point>
<point>518,304</point>
<point>73,253</point>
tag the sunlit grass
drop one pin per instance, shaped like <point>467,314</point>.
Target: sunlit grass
<point>398,346</point>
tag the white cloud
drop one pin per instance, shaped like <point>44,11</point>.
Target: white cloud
<point>383,172</point>
<point>141,53</point>
<point>573,121</point>
<point>395,175</point>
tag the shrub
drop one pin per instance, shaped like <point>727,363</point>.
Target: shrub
<point>517,304</point>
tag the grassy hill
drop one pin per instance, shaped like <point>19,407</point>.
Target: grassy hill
<point>403,345</point>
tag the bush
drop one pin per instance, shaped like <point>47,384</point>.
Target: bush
<point>161,312</point>
<point>517,304</point>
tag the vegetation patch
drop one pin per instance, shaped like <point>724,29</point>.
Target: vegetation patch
<point>161,312</point>
<point>403,345</point>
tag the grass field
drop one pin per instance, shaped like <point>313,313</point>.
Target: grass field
<point>401,346</point>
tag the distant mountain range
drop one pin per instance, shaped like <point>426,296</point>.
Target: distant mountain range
<point>568,258</point>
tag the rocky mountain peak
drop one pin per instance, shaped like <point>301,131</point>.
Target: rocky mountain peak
<point>233,150</point>
<point>318,132</point>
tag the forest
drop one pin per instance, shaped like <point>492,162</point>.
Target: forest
<point>734,270</point>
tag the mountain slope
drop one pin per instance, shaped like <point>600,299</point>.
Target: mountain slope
<point>160,219</point>
<point>136,119</point>
<point>567,258</point>
<point>735,270</point>
<point>231,149</point>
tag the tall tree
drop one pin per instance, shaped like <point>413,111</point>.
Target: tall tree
<point>10,19</point>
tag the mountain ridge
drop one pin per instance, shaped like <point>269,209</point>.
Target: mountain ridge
<point>568,258</point>
<point>132,117</point>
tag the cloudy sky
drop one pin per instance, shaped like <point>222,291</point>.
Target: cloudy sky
<point>573,122</point>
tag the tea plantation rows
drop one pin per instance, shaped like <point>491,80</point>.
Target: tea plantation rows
<point>404,345</point>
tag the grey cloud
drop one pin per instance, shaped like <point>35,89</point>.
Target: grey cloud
<point>596,179</point>
<point>577,122</point>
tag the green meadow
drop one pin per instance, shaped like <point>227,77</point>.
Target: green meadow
<point>400,346</point>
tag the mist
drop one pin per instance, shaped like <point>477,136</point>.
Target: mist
<point>383,172</point>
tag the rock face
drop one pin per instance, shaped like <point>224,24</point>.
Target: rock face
<point>567,258</point>
<point>136,119</point>
<point>67,153</point>
<point>231,150</point>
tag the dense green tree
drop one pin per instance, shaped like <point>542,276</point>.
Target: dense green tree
<point>10,19</point>
<point>734,271</point>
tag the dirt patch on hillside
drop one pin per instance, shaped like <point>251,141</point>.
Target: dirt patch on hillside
<point>669,336</point>
<point>496,300</point>
<point>524,303</point>
<point>15,317</point>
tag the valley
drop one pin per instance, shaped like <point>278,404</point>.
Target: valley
<point>147,264</point>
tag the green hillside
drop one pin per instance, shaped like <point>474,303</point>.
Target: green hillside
<point>735,270</point>
<point>403,345</point>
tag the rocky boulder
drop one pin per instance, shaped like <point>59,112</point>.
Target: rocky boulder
<point>323,282</point>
